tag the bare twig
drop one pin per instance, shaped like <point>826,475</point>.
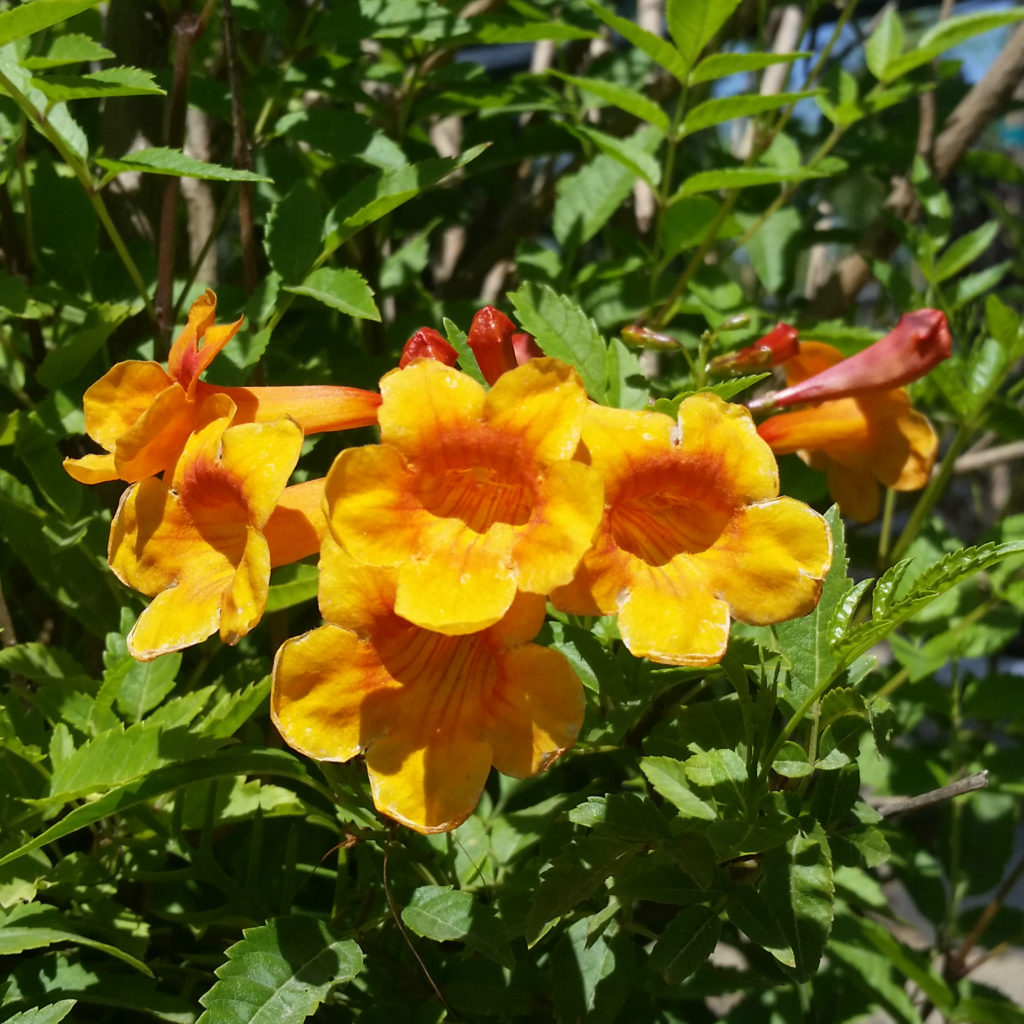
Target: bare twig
<point>971,461</point>
<point>242,154</point>
<point>974,112</point>
<point>902,805</point>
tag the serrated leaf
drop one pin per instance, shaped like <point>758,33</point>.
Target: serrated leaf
<point>27,19</point>
<point>693,23</point>
<point>122,81</point>
<point>668,777</point>
<point>1005,326</point>
<point>457,338</point>
<point>887,587</point>
<point>799,887</point>
<point>161,160</point>
<point>493,32</point>
<point>598,961</point>
<point>574,875</point>
<point>445,915</point>
<point>379,194</point>
<point>52,1014</point>
<point>564,331</point>
<point>623,97</point>
<point>658,49</point>
<point>344,290</point>
<point>974,286</point>
<point>748,177</point>
<point>749,911</point>
<point>952,569</point>
<point>806,642</point>
<point>686,943</point>
<point>292,240</point>
<point>138,686</point>
<point>72,48</point>
<point>586,200</point>
<point>622,816</point>
<point>280,973</point>
<point>727,108</point>
<point>719,65</point>
<point>791,761</point>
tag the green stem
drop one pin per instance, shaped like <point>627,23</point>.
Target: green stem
<point>885,534</point>
<point>81,172</point>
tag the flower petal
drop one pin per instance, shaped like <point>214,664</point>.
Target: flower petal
<point>156,439</point>
<point>92,469</point>
<point>535,711</point>
<point>770,563</point>
<point>244,599</point>
<point>115,402</point>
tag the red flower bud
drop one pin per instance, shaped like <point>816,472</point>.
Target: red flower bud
<point>919,341</point>
<point>426,343</point>
<point>491,339</point>
<point>778,345</point>
<point>525,347</point>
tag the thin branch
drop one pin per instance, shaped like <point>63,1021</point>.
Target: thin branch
<point>903,805</point>
<point>242,153</point>
<point>970,461</point>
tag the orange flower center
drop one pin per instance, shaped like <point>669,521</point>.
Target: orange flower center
<point>668,509</point>
<point>481,489</point>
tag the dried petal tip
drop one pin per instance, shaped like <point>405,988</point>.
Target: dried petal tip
<point>426,343</point>
<point>778,345</point>
<point>919,341</point>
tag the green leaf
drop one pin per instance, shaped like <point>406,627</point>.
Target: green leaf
<point>748,177</point>
<point>728,108</point>
<point>344,290</point>
<point>791,761</point>
<point>623,97</point>
<point>292,585</point>
<point>884,45</point>
<point>622,816</point>
<point>800,890</point>
<point>693,23</point>
<point>687,221</point>
<point>574,875</point>
<point>445,915</point>
<point>161,160</point>
<point>280,973</point>
<point>749,911</point>
<point>51,1014</point>
<point>27,19</point>
<point>772,248</point>
<point>467,357</point>
<point>718,65</point>
<point>686,943</point>
<point>64,363</point>
<point>965,250</point>
<point>236,761</point>
<point>1005,326</point>
<point>379,194</point>
<point>123,81</point>
<point>952,569</point>
<point>564,331</point>
<point>493,32</point>
<point>806,642</point>
<point>292,241</point>
<point>944,36</point>
<point>636,161</point>
<point>37,925</point>
<point>668,777</point>
<point>137,686</point>
<point>599,963</point>
<point>72,48</point>
<point>974,286</point>
<point>661,52</point>
<point>627,385</point>
<point>587,199</point>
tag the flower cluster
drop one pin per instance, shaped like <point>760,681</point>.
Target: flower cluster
<point>441,545</point>
<point>855,422</point>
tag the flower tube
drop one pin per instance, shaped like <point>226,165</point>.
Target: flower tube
<point>142,414</point>
<point>431,712</point>
<point>859,441</point>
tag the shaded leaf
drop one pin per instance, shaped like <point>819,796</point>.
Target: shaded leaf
<point>27,19</point>
<point>445,915</point>
<point>280,972</point>
<point>686,943</point>
<point>161,160</point>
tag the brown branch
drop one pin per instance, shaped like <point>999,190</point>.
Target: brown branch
<point>974,112</point>
<point>902,805</point>
<point>242,154</point>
